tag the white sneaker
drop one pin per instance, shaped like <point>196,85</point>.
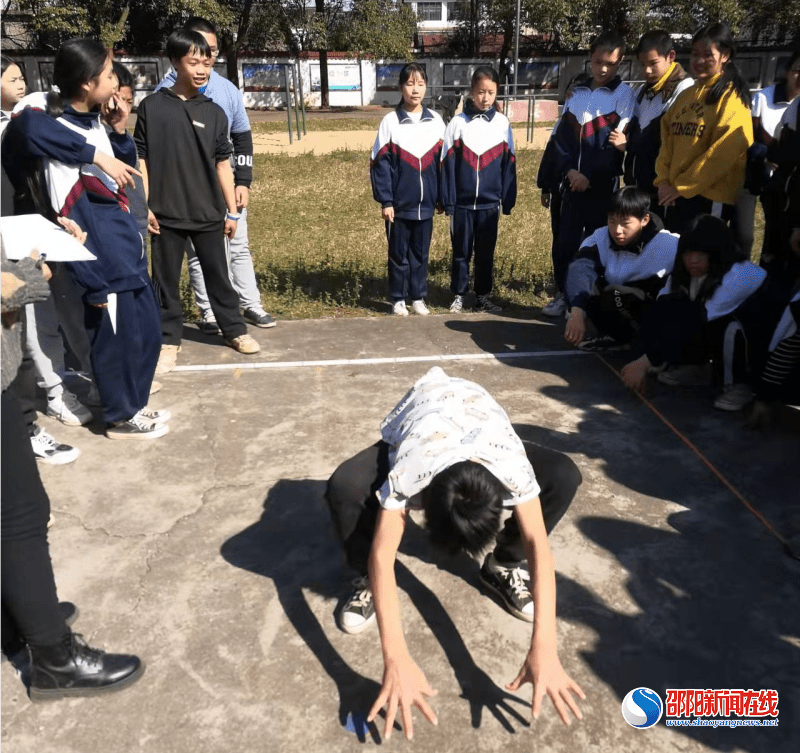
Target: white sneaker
<point>154,416</point>
<point>457,306</point>
<point>734,397</point>
<point>49,451</point>
<point>137,428</point>
<point>419,307</point>
<point>399,309</point>
<point>68,409</point>
<point>556,307</point>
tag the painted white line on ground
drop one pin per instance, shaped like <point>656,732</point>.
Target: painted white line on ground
<point>380,361</point>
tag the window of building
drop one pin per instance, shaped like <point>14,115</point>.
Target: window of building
<point>429,11</point>
<point>453,11</point>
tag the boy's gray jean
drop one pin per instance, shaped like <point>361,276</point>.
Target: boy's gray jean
<point>240,271</point>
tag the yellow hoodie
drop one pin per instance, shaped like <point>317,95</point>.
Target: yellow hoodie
<point>704,147</point>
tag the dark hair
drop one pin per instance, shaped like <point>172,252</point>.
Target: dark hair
<point>124,76</point>
<point>789,63</point>
<point>720,36</point>
<point>182,42</point>
<point>8,62</point>
<point>77,62</point>
<point>657,40</point>
<point>607,41</point>
<point>708,235</point>
<point>462,507</point>
<point>196,23</point>
<point>409,70</point>
<point>630,201</point>
<point>485,71</point>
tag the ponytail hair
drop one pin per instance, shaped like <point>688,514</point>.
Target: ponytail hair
<point>719,34</point>
<point>77,62</point>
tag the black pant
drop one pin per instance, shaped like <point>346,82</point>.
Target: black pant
<point>23,389</point>
<point>409,244</point>
<point>354,506</point>
<point>616,313</point>
<point>473,230</point>
<point>29,601</point>
<point>683,211</point>
<point>168,250</point>
<point>581,214</point>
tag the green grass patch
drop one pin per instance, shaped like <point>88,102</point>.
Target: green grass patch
<point>319,124</point>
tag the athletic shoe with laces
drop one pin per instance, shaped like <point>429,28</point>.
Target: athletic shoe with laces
<point>734,397</point>
<point>245,344</point>
<point>419,307</point>
<point>686,375</point>
<point>511,584</point>
<point>358,612</point>
<point>48,450</point>
<point>457,306</point>
<point>556,307</point>
<point>168,359</point>
<point>154,416</point>
<point>487,305</point>
<point>399,308</point>
<point>260,318</point>
<point>68,409</point>
<point>601,344</point>
<point>136,428</point>
<point>208,324</point>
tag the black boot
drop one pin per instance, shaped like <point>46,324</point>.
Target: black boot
<point>71,668</point>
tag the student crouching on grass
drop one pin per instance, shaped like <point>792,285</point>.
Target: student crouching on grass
<point>705,135</point>
<point>450,449</point>
<point>618,272</point>
<point>183,145</point>
<point>86,177</point>
<point>479,179</point>
<point>705,312</point>
<point>404,170</point>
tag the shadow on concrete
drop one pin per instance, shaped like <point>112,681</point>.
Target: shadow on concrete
<point>293,544</point>
<point>712,613</point>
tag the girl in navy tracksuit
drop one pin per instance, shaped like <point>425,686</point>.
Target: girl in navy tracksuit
<point>404,170</point>
<point>479,178</point>
<point>708,307</point>
<point>85,178</point>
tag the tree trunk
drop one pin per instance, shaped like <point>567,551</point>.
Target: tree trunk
<point>323,65</point>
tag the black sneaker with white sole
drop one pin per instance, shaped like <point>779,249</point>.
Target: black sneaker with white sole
<point>260,318</point>
<point>512,585</point>
<point>487,305</point>
<point>358,612</point>
<point>602,344</point>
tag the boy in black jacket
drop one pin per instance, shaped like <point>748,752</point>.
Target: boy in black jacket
<point>182,140</point>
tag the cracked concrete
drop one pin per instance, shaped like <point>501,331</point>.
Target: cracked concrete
<point>209,552</point>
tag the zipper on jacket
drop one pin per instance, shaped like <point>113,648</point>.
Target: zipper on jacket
<point>477,183</point>
<point>421,191</point>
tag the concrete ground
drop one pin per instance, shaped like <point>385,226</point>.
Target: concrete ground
<point>210,553</point>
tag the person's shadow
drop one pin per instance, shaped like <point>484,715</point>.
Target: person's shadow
<point>293,544</point>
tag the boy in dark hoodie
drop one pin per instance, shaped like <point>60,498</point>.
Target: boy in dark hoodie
<point>182,140</point>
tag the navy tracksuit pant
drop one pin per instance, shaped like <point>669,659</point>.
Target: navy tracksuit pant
<point>581,214</point>
<point>409,244</point>
<point>473,230</point>
<point>123,362</point>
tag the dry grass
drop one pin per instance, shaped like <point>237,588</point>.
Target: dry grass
<point>319,124</point>
<point>319,247</point>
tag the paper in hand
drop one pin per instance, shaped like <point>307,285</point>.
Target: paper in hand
<point>27,233</point>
